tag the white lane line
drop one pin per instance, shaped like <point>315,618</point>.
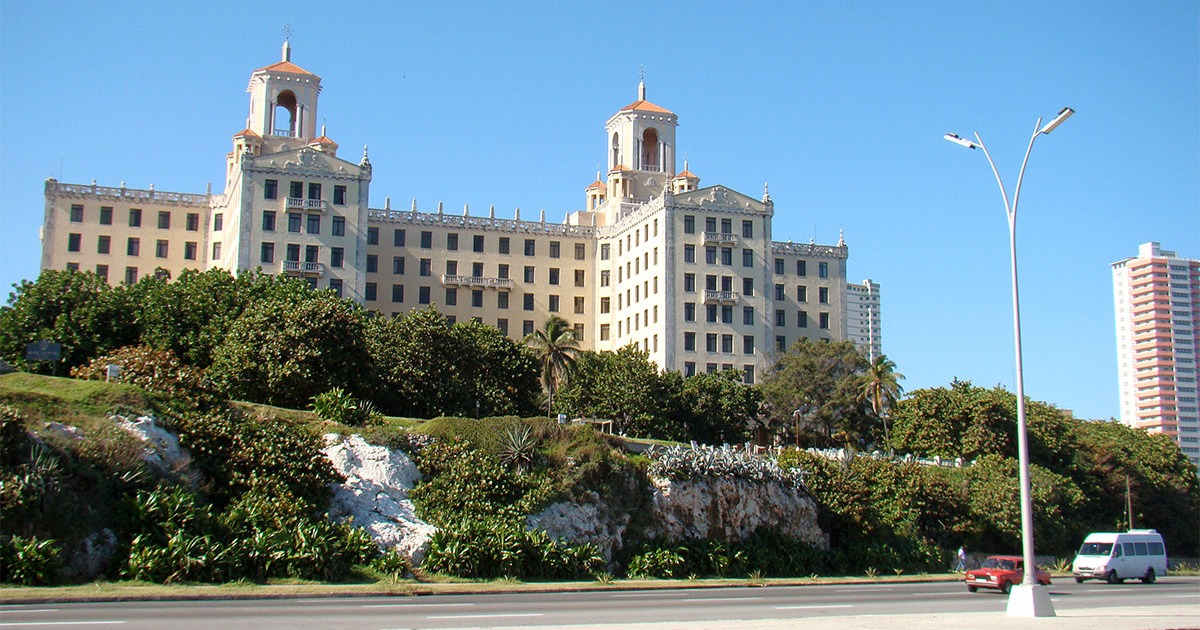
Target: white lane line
<point>719,599</point>
<point>494,615</point>
<point>411,605</point>
<point>27,610</point>
<point>814,606</point>
<point>655,594</point>
<point>1192,596</point>
<point>27,624</point>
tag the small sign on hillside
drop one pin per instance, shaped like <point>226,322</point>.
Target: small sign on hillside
<point>43,351</point>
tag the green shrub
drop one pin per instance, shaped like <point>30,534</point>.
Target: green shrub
<point>496,548</point>
<point>153,370</point>
<point>337,406</point>
<point>470,485</point>
<point>656,564</point>
<point>29,561</point>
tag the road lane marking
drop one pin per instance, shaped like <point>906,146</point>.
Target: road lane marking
<point>27,610</point>
<point>493,615</point>
<point>26,624</point>
<point>1192,596</point>
<point>410,605</point>
<point>655,594</point>
<point>814,606</point>
<point>719,599</point>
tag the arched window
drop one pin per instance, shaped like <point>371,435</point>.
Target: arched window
<point>616,151</point>
<point>285,114</point>
<point>650,150</point>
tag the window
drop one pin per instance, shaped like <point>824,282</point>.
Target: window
<point>76,213</point>
<point>780,317</point>
<point>727,344</point>
<point>503,245</point>
<point>426,267</point>
<point>335,285</point>
<point>710,282</point>
<point>689,341</point>
<point>605,332</point>
<point>527,327</point>
<point>689,224</point>
<point>160,248</point>
<point>296,189</point>
<point>823,269</point>
<point>780,342</point>
<point>502,325</point>
<point>370,291</point>
<point>216,250</point>
<point>135,220</point>
<point>452,241</point>
<point>105,215</point>
<point>710,342</point>
<point>689,311</point>
<point>338,226</point>
<point>314,224</point>
<point>605,278</point>
<point>727,313</point>
<point>311,253</point>
<point>130,275</point>
<point>553,275</point>
<point>553,304</point>
<point>824,321</point>
<point>477,243</point>
<point>555,249</point>
<point>502,299</point>
<point>423,295</point>
<point>102,271</point>
<point>823,295</point>
<point>710,224</point>
<point>748,344</point>
<point>748,374</point>
<point>102,244</point>
<point>528,274</point>
<point>748,315</point>
<point>689,282</point>
<point>397,292</point>
<point>710,255</point>
<point>426,239</point>
<point>801,268</point>
<point>337,257</point>
<point>501,271</point>
<point>268,221</point>
<point>398,265</point>
<point>477,270</point>
<point>710,313</point>
<point>578,277</point>
<point>530,247</point>
<point>451,297</point>
<point>802,319</point>
<point>779,292</point>
<point>689,253</point>
<point>132,246</point>
<point>528,301</point>
<point>164,220</point>
<point>579,304</point>
<point>314,191</point>
<point>218,222</point>
<point>747,257</point>
<point>580,251</point>
<point>294,222</point>
<point>189,250</point>
<point>727,226</point>
<point>605,304</point>
<point>747,287</point>
<point>372,236</point>
<point>748,229</point>
<point>779,266</point>
<point>689,368</point>
<point>339,195</point>
<point>271,189</point>
<point>801,293</point>
<point>293,252</point>
<point>372,263</point>
<point>605,251</point>
<point>727,256</point>
<point>398,237</point>
<point>73,242</point>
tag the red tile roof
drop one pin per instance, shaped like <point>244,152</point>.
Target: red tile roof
<point>246,132</point>
<point>324,140</point>
<point>286,66</point>
<point>646,106</point>
<point>598,184</point>
<point>619,167</point>
<point>687,174</point>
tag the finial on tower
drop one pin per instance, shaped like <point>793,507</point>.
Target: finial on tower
<point>642,85</point>
<point>766,192</point>
<point>841,238</point>
<point>287,47</point>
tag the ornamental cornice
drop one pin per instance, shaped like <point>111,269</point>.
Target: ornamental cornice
<point>487,224</point>
<point>55,189</point>
<point>810,249</point>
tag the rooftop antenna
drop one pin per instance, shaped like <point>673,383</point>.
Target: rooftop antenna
<point>287,47</point>
<point>642,84</point>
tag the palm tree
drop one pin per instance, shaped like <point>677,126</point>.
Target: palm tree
<point>555,347</point>
<point>880,386</point>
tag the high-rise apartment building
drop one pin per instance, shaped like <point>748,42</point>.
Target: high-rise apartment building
<point>863,320</point>
<point>1157,297</point>
<point>691,275</point>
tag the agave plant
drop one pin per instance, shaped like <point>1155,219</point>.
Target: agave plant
<point>700,462</point>
<point>518,447</point>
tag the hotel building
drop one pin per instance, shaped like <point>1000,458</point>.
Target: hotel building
<point>1157,297</point>
<point>690,274</point>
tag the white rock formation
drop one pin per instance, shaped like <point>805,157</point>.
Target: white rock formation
<point>162,447</point>
<point>581,523</point>
<point>731,509</point>
<point>375,494</point>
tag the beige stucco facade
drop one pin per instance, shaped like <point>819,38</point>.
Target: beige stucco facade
<point>689,274</point>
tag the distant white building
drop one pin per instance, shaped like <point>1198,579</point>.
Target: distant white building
<point>863,322</point>
<point>1157,298</point>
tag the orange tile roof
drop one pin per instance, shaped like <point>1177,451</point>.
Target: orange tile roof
<point>647,106</point>
<point>324,140</point>
<point>687,174</point>
<point>286,66</point>
<point>246,132</point>
<point>619,167</point>
<point>598,184</point>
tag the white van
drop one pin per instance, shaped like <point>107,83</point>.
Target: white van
<point>1115,557</point>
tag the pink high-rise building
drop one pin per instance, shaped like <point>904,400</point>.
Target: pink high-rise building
<point>1157,297</point>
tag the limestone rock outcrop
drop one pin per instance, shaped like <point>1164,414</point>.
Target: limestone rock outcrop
<point>582,523</point>
<point>731,509</point>
<point>375,494</point>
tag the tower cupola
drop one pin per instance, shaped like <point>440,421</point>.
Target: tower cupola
<point>283,101</point>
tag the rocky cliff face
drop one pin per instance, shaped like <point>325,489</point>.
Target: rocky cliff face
<point>375,494</point>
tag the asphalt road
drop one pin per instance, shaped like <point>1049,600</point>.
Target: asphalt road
<point>727,607</point>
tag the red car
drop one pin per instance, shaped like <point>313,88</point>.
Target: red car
<point>1000,573</point>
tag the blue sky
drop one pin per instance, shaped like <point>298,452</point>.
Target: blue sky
<point>840,107</point>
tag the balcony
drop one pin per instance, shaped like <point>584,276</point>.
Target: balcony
<point>718,237</point>
<point>308,205</point>
<point>720,297</point>
<point>297,268</point>
<point>476,281</point>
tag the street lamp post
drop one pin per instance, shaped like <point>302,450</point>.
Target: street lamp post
<point>1029,599</point>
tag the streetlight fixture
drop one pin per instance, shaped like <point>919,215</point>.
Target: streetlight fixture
<point>1029,599</point>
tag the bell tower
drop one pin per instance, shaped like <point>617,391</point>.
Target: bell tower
<point>641,149</point>
<point>283,103</point>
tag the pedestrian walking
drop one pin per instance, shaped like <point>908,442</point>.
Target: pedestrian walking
<point>962,559</point>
